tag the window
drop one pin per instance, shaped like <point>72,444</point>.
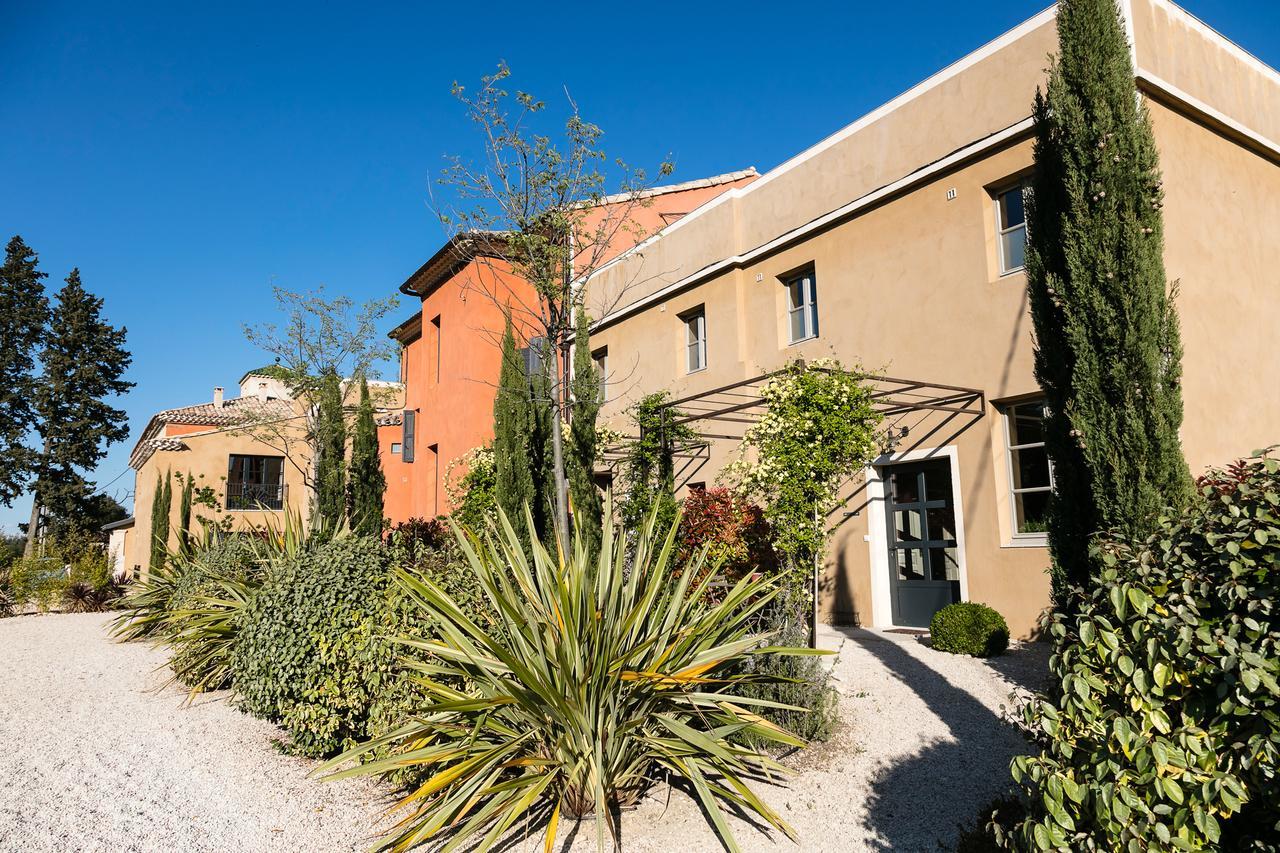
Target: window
<point>1031,474</point>
<point>695,334</point>
<point>1011,222</point>
<point>395,447</point>
<point>408,425</point>
<point>433,458</point>
<point>532,356</point>
<point>255,482</point>
<point>802,306</point>
<point>600,358</point>
<point>404,364</point>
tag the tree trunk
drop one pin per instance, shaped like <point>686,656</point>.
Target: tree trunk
<point>33,527</point>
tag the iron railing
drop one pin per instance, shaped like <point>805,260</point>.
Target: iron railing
<point>255,496</point>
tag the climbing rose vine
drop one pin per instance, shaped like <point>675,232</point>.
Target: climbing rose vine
<point>819,430</point>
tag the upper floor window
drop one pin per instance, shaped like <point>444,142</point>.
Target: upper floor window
<point>255,482</point>
<point>695,325</point>
<point>802,306</point>
<point>439,353</point>
<point>1030,472</point>
<point>1011,223</point>
<point>600,360</point>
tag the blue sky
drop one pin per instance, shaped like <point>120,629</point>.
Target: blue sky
<point>186,162</point>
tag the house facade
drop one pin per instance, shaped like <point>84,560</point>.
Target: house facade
<point>896,244</point>
<point>450,357</point>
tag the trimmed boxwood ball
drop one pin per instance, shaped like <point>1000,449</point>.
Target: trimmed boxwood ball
<point>969,628</point>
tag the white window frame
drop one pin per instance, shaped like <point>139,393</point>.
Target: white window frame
<point>1002,231</point>
<point>1014,491</point>
<point>807,308</point>
<point>695,337</point>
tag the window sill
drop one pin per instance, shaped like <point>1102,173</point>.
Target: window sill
<point>1014,271</point>
<point>1027,542</point>
<point>699,370</point>
<point>802,341</point>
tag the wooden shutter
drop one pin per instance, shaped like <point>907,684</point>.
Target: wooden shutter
<point>406,438</point>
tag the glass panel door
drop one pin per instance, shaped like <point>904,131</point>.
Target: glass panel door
<point>924,562</point>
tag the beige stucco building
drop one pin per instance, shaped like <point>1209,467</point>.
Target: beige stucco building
<point>896,243</point>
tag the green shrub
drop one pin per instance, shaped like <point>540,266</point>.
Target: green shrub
<point>607,680</point>
<point>38,580</point>
<point>808,705</point>
<point>969,628</point>
<point>308,653</point>
<point>1165,732</point>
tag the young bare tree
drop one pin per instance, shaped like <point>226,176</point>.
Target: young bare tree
<point>320,338</point>
<point>541,209</point>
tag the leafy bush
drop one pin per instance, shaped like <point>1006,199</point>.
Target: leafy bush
<point>807,703</point>
<point>39,581</point>
<point>1166,730</point>
<point>419,534</point>
<point>82,597</point>
<point>308,655</point>
<point>969,628</point>
<point>144,608</point>
<point>732,530</point>
<point>607,679</point>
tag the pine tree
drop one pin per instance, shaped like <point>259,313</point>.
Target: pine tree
<point>580,464</point>
<point>1107,344</point>
<point>24,311</point>
<point>161,508</point>
<point>366,483</point>
<point>330,467</point>
<point>511,419</point>
<point>84,360</point>
<point>184,514</point>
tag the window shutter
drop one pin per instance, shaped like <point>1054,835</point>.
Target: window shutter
<point>406,439</point>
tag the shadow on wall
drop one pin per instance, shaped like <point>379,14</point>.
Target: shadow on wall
<point>919,803</point>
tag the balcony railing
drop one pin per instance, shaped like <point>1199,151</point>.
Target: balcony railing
<point>255,496</point>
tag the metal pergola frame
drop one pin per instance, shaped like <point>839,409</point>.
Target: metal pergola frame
<point>905,404</point>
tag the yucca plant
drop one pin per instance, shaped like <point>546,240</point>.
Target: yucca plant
<point>144,608</point>
<point>597,683</point>
<point>202,632</point>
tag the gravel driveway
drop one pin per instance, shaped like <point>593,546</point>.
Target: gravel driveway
<point>92,757</point>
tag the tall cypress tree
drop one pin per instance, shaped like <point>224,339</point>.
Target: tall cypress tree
<point>513,477</point>
<point>1108,352</point>
<point>541,455</point>
<point>84,361</point>
<point>24,311</point>
<point>330,500</point>
<point>184,513</point>
<point>161,508</point>
<point>366,483</point>
<point>580,464</point>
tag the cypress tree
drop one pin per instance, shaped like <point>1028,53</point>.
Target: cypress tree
<point>513,477</point>
<point>1108,351</point>
<point>540,438</point>
<point>587,508</point>
<point>184,514</point>
<point>24,311</point>
<point>366,482</point>
<point>84,360</point>
<point>329,506</point>
<point>161,507</point>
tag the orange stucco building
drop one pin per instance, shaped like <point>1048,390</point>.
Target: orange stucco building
<point>450,355</point>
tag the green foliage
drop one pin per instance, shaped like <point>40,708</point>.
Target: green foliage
<point>161,510</point>
<point>734,533</point>
<point>24,310</point>
<point>807,702</point>
<point>820,429</point>
<point>83,360</point>
<point>580,461</point>
<point>367,484</point>
<point>38,581</point>
<point>307,654</point>
<point>1165,732</point>
<point>522,432</point>
<point>473,493</point>
<point>649,471</point>
<point>969,628</point>
<point>144,609</point>
<point>598,680</point>
<point>185,544</point>
<point>328,509</point>
<point>1108,351</point>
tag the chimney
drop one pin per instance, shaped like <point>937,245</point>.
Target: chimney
<point>262,391</point>
<point>217,397</point>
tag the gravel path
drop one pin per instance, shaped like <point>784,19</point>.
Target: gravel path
<point>93,757</point>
